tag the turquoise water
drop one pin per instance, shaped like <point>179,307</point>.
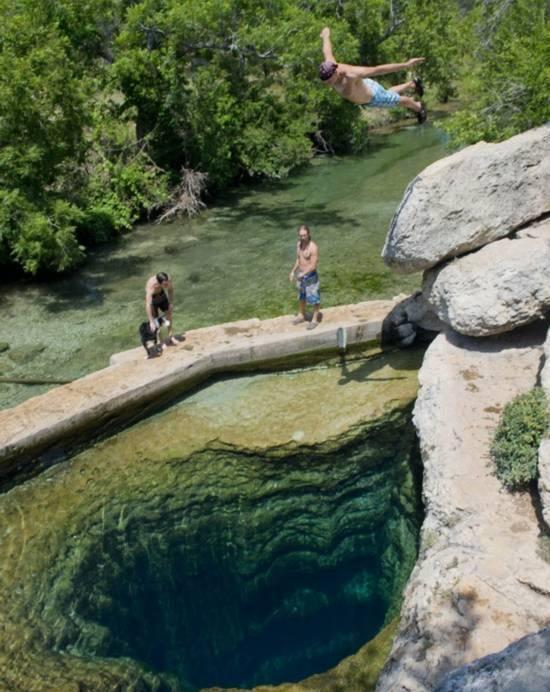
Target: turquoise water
<point>236,538</point>
<point>230,263</point>
<point>238,589</point>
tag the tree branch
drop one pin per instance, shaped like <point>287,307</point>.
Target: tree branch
<point>230,46</point>
<point>186,197</point>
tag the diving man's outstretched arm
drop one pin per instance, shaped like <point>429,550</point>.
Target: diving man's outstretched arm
<point>357,71</point>
<point>361,72</point>
<point>327,45</point>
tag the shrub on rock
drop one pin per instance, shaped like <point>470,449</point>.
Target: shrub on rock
<point>518,436</point>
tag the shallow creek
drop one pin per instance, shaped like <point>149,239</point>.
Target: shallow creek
<point>230,263</point>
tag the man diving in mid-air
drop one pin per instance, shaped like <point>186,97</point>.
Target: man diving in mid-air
<point>354,82</point>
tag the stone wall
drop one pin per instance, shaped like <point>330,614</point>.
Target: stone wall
<point>54,422</point>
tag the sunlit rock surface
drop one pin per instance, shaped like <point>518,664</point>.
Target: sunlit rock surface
<point>464,201</point>
<point>544,449</point>
<point>496,289</point>
<point>259,531</point>
<point>481,580</point>
<point>524,666</point>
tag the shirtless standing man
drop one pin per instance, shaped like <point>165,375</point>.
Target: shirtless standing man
<point>354,82</point>
<point>304,273</point>
<point>159,297</point>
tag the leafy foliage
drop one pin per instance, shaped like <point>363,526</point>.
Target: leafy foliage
<point>118,178</point>
<point>42,117</point>
<point>226,88</point>
<point>104,102</point>
<point>506,77</point>
<point>517,439</point>
<point>437,33</point>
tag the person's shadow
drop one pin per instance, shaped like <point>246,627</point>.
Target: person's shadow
<point>368,365</point>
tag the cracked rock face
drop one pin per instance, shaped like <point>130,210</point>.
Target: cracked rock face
<point>544,478</point>
<point>477,222</point>
<point>496,289</point>
<point>469,199</point>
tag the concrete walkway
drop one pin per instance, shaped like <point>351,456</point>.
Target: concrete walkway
<point>132,385</point>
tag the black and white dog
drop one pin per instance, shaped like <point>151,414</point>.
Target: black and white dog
<point>150,339</point>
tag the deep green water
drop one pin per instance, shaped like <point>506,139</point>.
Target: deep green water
<point>251,533</point>
<point>270,586</point>
<point>230,263</point>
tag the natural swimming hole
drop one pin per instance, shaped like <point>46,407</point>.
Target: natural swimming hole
<point>212,545</point>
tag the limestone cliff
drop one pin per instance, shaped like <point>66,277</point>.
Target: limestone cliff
<point>482,577</point>
<point>480,582</point>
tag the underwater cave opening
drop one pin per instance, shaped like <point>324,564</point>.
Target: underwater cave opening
<point>256,568</point>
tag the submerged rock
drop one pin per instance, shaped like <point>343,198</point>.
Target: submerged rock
<point>25,354</point>
<point>469,199</point>
<point>503,286</point>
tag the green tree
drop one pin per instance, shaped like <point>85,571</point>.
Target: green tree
<point>226,88</point>
<point>506,78</point>
<point>104,102</point>
<point>42,117</point>
<point>68,168</point>
<point>437,32</point>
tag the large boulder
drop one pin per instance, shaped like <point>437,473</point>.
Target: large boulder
<point>469,199</point>
<point>524,665</point>
<point>496,289</point>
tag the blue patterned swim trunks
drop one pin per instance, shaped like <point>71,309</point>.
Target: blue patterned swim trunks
<point>309,290</point>
<point>381,98</point>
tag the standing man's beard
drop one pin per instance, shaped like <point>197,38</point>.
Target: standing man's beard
<point>304,243</point>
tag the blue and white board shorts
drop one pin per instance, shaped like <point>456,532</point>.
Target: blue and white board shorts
<point>381,98</point>
<point>309,289</point>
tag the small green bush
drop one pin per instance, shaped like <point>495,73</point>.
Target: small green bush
<point>517,438</point>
